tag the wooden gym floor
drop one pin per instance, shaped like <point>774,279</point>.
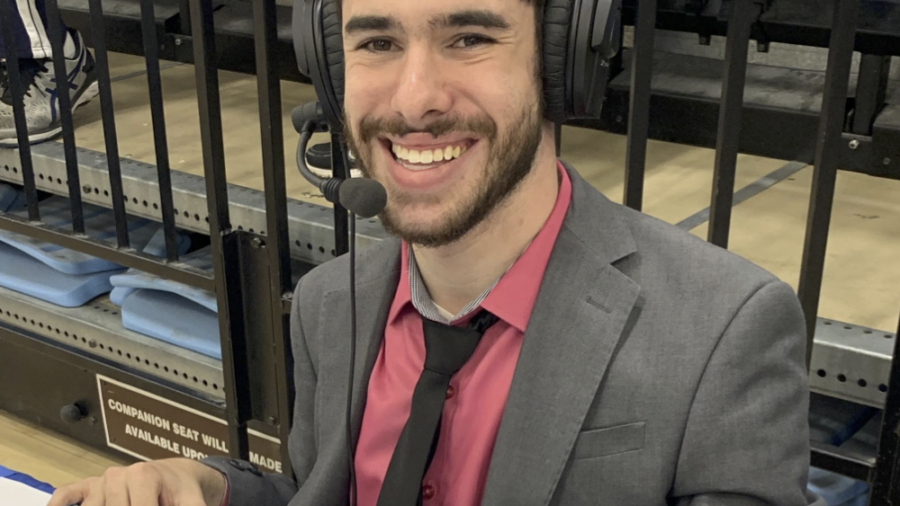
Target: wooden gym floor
<point>862,272</point>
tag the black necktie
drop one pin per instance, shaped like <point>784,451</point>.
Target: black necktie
<point>447,349</point>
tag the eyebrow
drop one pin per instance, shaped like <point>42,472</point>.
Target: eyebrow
<point>461,19</point>
<point>371,24</point>
<point>472,17</point>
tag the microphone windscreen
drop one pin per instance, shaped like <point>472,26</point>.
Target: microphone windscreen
<point>363,197</point>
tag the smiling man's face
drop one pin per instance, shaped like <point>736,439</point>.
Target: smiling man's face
<point>442,106</point>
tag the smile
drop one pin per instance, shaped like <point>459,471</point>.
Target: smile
<point>427,157</point>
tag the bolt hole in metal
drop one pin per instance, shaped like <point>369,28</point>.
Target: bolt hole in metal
<point>842,378</point>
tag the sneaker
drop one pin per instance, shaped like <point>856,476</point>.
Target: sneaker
<point>41,101</point>
<point>318,159</point>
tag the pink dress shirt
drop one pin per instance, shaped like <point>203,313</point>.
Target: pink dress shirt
<point>477,393</point>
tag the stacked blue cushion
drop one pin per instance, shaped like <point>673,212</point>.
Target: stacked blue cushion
<point>190,320</point>
<point>838,490</point>
<point>55,274</point>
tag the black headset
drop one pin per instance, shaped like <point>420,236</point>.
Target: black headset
<point>580,38</point>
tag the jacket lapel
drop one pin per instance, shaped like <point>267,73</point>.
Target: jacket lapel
<point>575,328</point>
<point>377,277</point>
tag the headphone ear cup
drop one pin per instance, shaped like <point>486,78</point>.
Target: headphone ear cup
<point>557,25</point>
<point>334,48</point>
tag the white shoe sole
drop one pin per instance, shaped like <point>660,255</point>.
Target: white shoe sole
<point>326,173</point>
<point>92,91</point>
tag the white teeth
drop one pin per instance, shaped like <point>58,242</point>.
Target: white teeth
<point>428,156</point>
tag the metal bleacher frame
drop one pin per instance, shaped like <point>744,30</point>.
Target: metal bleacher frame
<point>260,239</point>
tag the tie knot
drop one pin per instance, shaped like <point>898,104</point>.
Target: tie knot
<point>448,348</point>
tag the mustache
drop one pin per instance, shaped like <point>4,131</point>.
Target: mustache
<point>371,127</point>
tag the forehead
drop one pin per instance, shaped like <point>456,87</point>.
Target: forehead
<point>414,13</point>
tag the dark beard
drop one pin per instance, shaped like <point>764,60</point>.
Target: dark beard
<point>510,161</point>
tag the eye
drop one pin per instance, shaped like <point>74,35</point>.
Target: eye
<point>377,45</point>
<point>472,40</point>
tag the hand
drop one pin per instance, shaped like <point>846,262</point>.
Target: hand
<point>169,482</point>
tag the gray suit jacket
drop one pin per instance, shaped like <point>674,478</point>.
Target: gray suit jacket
<point>656,369</point>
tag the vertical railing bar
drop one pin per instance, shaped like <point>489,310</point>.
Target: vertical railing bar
<point>224,242</point>
<point>57,43</point>
<point>871,90</point>
<point>109,122</point>
<point>18,96</point>
<point>730,112</point>
<point>278,242</point>
<point>184,16</point>
<point>885,489</point>
<point>639,107</point>
<point>154,83</point>
<point>831,127</point>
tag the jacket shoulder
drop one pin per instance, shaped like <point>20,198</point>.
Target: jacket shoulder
<point>684,258</point>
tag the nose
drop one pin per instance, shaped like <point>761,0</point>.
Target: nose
<point>422,91</point>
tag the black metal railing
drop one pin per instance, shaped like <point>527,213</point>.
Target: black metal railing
<point>226,280</point>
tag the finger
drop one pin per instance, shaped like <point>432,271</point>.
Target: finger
<point>70,494</point>
<point>116,491</point>
<point>145,486</point>
<point>95,493</point>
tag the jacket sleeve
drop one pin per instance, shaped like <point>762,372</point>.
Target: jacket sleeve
<point>746,442</point>
<point>248,486</point>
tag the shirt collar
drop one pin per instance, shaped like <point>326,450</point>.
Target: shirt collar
<point>511,298</point>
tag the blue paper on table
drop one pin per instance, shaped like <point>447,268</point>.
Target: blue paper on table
<point>190,321</point>
<point>18,489</point>
<point>8,474</point>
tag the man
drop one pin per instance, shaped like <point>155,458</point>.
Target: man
<point>629,363</point>
<point>38,77</point>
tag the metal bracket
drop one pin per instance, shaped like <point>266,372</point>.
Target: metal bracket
<point>851,362</point>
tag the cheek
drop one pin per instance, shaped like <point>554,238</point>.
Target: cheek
<point>501,96</point>
<point>365,90</point>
